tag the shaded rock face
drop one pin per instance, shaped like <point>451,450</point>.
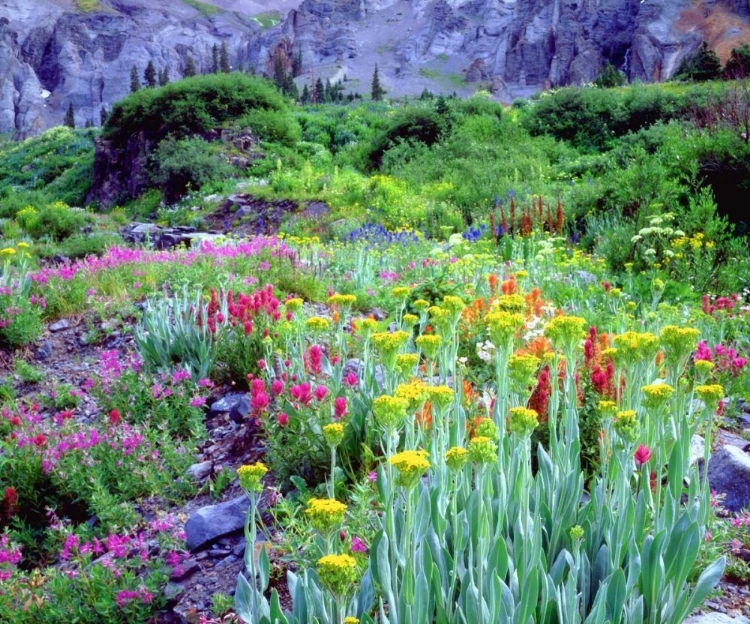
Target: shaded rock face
<point>52,55</point>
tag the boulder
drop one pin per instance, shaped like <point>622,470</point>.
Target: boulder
<point>729,474</point>
<point>215,521</point>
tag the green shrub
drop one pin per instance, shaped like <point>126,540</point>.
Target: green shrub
<point>272,126</point>
<point>56,221</point>
<point>178,166</point>
<point>191,106</point>
<point>413,125</point>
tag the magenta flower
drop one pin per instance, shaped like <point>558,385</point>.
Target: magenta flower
<point>358,545</point>
<point>642,455</point>
<point>321,392</point>
<point>340,407</point>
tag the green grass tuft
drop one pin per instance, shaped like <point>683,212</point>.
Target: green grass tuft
<point>86,6</point>
<point>268,19</point>
<point>206,9</point>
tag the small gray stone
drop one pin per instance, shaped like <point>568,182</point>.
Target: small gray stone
<point>227,561</point>
<point>200,471</point>
<point>61,325</point>
<point>239,549</point>
<point>729,473</point>
<point>715,618</point>
<point>43,351</point>
<point>215,521</point>
<point>238,406</point>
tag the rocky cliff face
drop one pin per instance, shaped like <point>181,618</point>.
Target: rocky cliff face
<point>52,55</point>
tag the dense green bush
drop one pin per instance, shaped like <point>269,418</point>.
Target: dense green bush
<point>178,166</point>
<point>412,125</point>
<point>272,126</point>
<point>191,106</point>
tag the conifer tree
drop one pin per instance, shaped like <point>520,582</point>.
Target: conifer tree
<point>189,69</point>
<point>224,60</point>
<point>164,76</point>
<point>135,83</point>
<point>297,63</point>
<point>279,70</point>
<point>149,75</point>
<point>70,119</point>
<point>738,63</point>
<point>103,115</point>
<point>319,97</point>
<point>215,60</point>
<point>377,91</point>
<point>305,97</point>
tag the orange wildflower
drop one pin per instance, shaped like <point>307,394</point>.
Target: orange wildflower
<point>424,416</point>
<point>492,279</point>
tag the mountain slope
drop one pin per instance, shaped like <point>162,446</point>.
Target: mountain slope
<point>53,54</point>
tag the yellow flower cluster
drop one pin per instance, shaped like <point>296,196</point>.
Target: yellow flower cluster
<point>367,326</point>
<point>710,395</point>
<point>626,424</point>
<point>455,458</point>
<point>342,300</point>
<point>656,395</point>
<point>429,343</point>
<point>678,343</point>
<point>454,305</point>
<point>607,408</point>
<point>351,620</point>
<point>511,303</point>
<point>317,323</point>
<point>565,332</point>
<point>421,305</point>
<point>523,420</point>
<point>635,347</point>
<point>293,304</point>
<point>704,367</point>
<point>7,251</point>
<point>405,363</point>
<point>333,434</point>
<point>440,396</point>
<point>338,573</point>
<point>389,411</point>
<point>521,369</point>
<point>401,292</point>
<point>503,326</point>
<point>387,342</point>
<point>410,320</point>
<point>482,450</point>
<point>486,428</point>
<point>415,393</point>
<point>411,465</point>
<point>325,514</point>
<point>250,477</point>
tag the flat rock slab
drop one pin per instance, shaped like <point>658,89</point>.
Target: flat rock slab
<point>715,618</point>
<point>729,473</point>
<point>212,522</point>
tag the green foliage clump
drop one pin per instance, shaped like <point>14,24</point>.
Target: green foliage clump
<point>271,126</point>
<point>610,77</point>
<point>411,126</point>
<point>56,221</point>
<point>188,107</point>
<point>178,166</point>
<point>738,63</point>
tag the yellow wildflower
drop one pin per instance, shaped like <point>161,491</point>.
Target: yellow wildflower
<point>523,420</point>
<point>389,411</point>
<point>411,465</point>
<point>482,450</point>
<point>711,395</point>
<point>338,573</point>
<point>293,304</point>
<point>342,300</point>
<point>317,323</point>
<point>333,433</point>
<point>455,458</point>
<point>325,514</point>
<point>656,395</point>
<point>414,392</point>
<point>678,343</point>
<point>440,396</point>
<point>250,477</point>
<point>429,343</point>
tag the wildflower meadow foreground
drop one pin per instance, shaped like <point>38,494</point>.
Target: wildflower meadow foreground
<point>489,428</point>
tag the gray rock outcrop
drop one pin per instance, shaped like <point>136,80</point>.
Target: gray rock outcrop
<point>53,55</point>
<point>729,474</point>
<point>212,522</point>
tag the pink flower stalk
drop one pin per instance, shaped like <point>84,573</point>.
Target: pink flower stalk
<point>358,545</point>
<point>340,407</point>
<point>321,392</point>
<point>642,455</point>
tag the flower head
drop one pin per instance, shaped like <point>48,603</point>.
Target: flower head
<point>482,450</point>
<point>523,420</point>
<point>389,411</point>
<point>711,395</point>
<point>642,455</point>
<point>337,572</point>
<point>317,323</point>
<point>626,425</point>
<point>411,465</point>
<point>250,477</point>
<point>656,395</point>
<point>678,343</point>
<point>429,344</point>
<point>333,434</point>
<point>565,332</point>
<point>455,458</point>
<point>325,514</point>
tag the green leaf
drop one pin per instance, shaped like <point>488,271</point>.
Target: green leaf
<point>616,594</point>
<point>277,615</point>
<point>264,568</point>
<point>243,598</point>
